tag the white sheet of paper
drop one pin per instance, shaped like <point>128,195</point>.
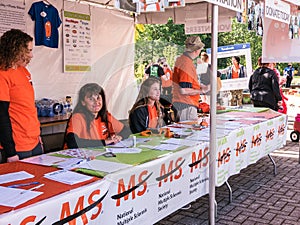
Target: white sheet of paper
<point>9,177</point>
<point>67,177</point>
<point>124,150</point>
<point>46,160</point>
<point>181,142</point>
<point>70,163</point>
<point>104,166</point>
<point>166,147</point>
<point>12,197</point>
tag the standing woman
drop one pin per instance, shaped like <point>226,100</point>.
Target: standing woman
<point>236,71</point>
<point>147,112</point>
<point>91,125</point>
<point>19,124</point>
<point>264,87</point>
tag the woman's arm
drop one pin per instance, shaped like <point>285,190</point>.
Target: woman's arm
<point>73,141</point>
<point>139,120</point>
<point>6,138</point>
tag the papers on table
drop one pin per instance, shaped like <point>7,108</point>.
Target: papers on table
<point>182,142</point>
<point>67,177</point>
<point>104,166</point>
<point>46,160</point>
<point>9,177</point>
<point>12,197</point>
<point>123,150</point>
<point>70,163</point>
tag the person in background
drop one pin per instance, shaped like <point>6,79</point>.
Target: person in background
<point>166,79</point>
<point>91,125</point>
<point>282,81</point>
<point>155,69</point>
<point>19,124</point>
<point>264,87</point>
<point>289,74</point>
<point>147,112</point>
<point>233,72</point>
<point>205,71</point>
<point>186,87</point>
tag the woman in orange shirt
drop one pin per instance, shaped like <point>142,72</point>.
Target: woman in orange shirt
<point>91,125</point>
<point>236,71</point>
<point>147,112</point>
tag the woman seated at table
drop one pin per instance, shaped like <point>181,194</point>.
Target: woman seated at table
<point>91,125</point>
<point>147,112</point>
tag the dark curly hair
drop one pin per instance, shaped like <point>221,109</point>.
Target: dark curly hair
<point>13,47</point>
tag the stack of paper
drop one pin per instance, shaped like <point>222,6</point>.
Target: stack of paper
<point>67,177</point>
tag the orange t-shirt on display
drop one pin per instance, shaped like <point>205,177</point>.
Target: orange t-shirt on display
<point>153,117</point>
<point>16,88</point>
<point>185,71</point>
<point>98,129</point>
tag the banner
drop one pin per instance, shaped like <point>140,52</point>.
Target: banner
<point>277,10</point>
<point>235,5</point>
<point>77,42</point>
<point>12,15</point>
<point>196,26</point>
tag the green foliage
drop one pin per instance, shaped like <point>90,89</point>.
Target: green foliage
<point>167,40</point>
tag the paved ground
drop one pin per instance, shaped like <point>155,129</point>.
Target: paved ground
<point>259,197</point>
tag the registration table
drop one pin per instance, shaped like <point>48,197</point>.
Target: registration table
<point>151,180</point>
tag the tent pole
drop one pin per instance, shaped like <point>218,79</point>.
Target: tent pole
<point>213,112</point>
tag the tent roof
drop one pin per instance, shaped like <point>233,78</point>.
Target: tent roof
<point>193,9</point>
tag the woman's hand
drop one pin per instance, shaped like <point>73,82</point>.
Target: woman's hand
<point>13,158</point>
<point>113,140</point>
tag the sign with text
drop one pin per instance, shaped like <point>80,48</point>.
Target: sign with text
<point>77,42</point>
<point>236,5</point>
<point>277,10</point>
<point>197,27</point>
<point>12,15</point>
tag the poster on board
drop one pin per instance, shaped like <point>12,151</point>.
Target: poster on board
<point>12,15</point>
<point>229,51</point>
<point>281,41</point>
<point>77,42</point>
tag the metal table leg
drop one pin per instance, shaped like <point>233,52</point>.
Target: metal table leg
<point>274,164</point>
<point>230,191</point>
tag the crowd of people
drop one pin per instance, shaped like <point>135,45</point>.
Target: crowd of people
<point>91,124</point>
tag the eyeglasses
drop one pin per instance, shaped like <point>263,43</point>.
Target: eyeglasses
<point>165,65</point>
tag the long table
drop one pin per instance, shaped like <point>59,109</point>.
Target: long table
<point>154,187</point>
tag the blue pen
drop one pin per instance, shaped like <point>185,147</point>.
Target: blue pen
<point>23,185</point>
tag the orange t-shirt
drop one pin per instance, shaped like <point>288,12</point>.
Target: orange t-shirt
<point>153,117</point>
<point>16,88</point>
<point>185,71</point>
<point>168,82</point>
<point>235,74</point>
<point>98,129</point>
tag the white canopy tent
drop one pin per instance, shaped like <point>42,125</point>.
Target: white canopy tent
<point>202,11</point>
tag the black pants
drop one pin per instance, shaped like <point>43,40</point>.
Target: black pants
<point>288,81</point>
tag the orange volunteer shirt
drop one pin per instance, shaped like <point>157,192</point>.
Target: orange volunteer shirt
<point>17,89</point>
<point>153,117</point>
<point>98,129</point>
<point>185,71</point>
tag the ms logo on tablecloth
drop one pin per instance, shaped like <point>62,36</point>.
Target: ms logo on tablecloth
<point>199,160</point>
<point>270,134</point>
<point>137,185</point>
<point>174,171</point>
<point>256,140</point>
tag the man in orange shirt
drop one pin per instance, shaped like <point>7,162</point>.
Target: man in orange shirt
<point>19,124</point>
<point>186,87</point>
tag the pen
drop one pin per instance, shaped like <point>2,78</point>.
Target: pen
<point>33,188</point>
<point>23,185</point>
